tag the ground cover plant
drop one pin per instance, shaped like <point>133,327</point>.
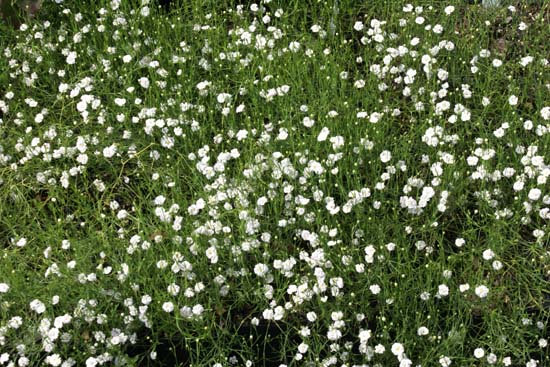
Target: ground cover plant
<point>282,183</point>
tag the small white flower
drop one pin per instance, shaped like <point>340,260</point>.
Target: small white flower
<point>422,331</point>
<point>492,358</point>
<point>513,100</point>
<point>545,113</point>
<point>21,242</point>
<point>445,361</point>
<point>173,289</point>
<point>261,270</point>
<point>294,46</point>
<point>459,242</point>
<point>311,316</point>
<point>110,151</point>
<point>479,353</point>
<point>449,10</point>
<point>534,194</point>
<point>4,288</point>
<point>488,254</point>
<point>323,134</point>
<point>120,101</point>
<point>442,290</point>
<point>482,291</point>
<point>497,265</point>
<point>197,309</point>
<point>37,306</point>
<point>223,98</point>
<point>463,287</point>
<point>385,156</point>
<point>397,349</point>
<point>358,26</point>
<point>302,348</point>
<point>71,58</point>
<point>144,82</point>
<point>308,122</point>
<point>53,360</point>
<point>168,306</point>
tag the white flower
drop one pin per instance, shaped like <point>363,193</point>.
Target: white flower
<point>526,60</point>
<point>445,361</point>
<point>449,10</point>
<point>479,353</point>
<point>144,82</point>
<point>82,159</point>
<point>71,58</point>
<point>197,309</point>
<point>173,289</point>
<point>463,287</point>
<point>442,290</point>
<point>323,134</point>
<point>308,122</point>
<point>375,117</point>
<point>261,270</point>
<point>497,265</point>
<point>513,100</point>
<point>294,46</point>
<point>212,254</point>
<point>422,331</point>
<point>497,63</point>
<point>120,101</point>
<point>126,59</point>
<point>21,242</point>
<point>488,254</point>
<point>223,97</point>
<point>37,306</point>
<point>168,306</point>
<point>311,316</point>
<point>109,152</point>
<point>278,313</point>
<point>53,360</point>
<point>359,84</point>
<point>333,334</point>
<point>534,194</point>
<point>365,335</point>
<point>303,347</point>
<point>459,242</point>
<point>4,288</point>
<point>545,113</point>
<point>375,289</point>
<point>397,349</point>
<point>358,26</point>
<point>482,291</point>
<point>385,156</point>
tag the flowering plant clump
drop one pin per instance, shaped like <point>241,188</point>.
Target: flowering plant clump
<point>274,184</point>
